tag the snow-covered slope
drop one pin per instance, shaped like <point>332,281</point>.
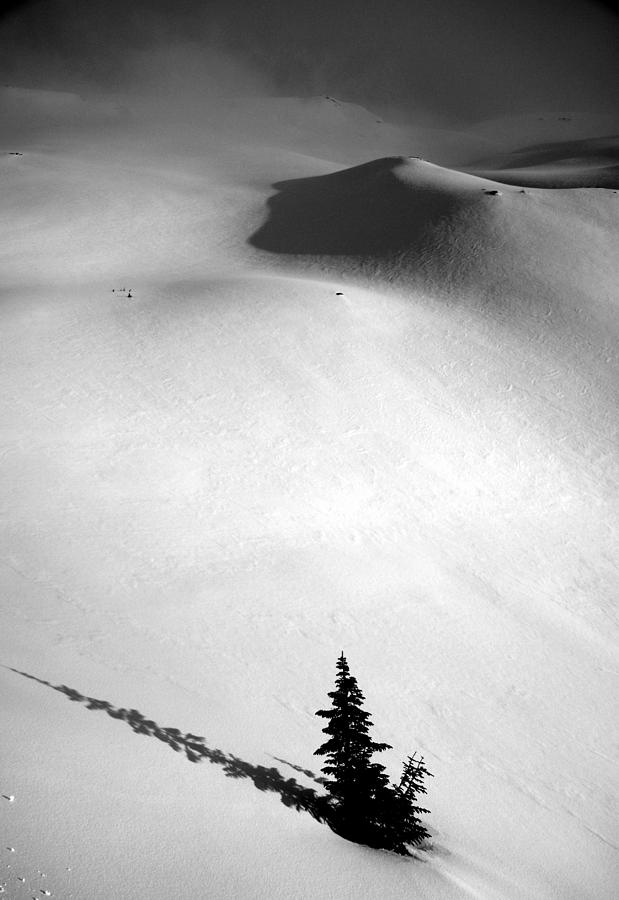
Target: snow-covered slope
<point>569,150</point>
<point>511,132</point>
<point>386,425</point>
<point>583,163</point>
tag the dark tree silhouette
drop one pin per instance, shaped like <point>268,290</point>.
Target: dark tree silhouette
<point>354,782</point>
<point>401,817</point>
<point>364,806</point>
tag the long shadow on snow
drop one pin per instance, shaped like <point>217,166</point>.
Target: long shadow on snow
<point>292,794</point>
<point>364,211</point>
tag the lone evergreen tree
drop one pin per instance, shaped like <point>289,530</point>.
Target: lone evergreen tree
<point>355,783</point>
<point>364,806</point>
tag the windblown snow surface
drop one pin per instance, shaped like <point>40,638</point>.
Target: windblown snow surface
<point>372,408</point>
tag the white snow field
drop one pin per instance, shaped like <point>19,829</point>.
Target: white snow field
<point>378,414</point>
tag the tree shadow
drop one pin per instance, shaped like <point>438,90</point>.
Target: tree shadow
<point>307,772</point>
<point>292,794</point>
<point>364,211</point>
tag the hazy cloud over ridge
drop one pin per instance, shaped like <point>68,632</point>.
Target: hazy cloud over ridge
<point>470,59</point>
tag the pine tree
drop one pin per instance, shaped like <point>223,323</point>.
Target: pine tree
<point>411,784</point>
<point>356,784</point>
<point>363,806</point>
<point>397,825</point>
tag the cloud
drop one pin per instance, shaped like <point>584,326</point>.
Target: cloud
<point>483,57</point>
<point>188,70</point>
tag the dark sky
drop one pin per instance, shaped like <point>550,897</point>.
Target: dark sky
<point>472,58</point>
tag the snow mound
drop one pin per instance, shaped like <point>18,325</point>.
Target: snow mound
<point>373,209</point>
<point>407,221</point>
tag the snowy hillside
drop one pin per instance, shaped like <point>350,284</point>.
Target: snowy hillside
<point>371,408</point>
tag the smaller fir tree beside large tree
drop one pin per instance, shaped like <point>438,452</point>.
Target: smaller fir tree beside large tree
<point>364,807</point>
<point>401,818</point>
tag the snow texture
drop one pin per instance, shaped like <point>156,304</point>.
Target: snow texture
<point>371,408</point>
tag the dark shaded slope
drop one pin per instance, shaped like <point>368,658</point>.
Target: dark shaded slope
<point>362,211</point>
<point>404,219</point>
